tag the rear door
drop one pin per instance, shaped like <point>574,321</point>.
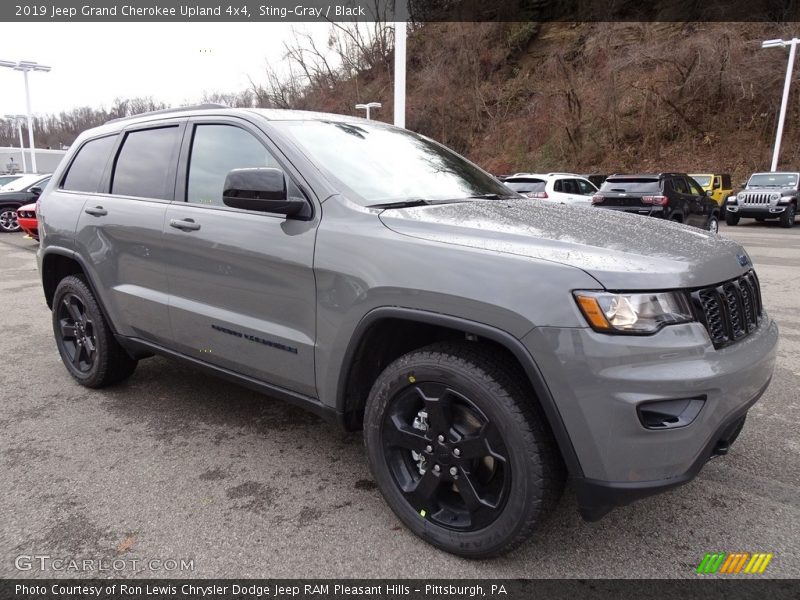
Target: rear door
<point>120,230</point>
<point>242,288</point>
<point>701,205</point>
<point>682,203</point>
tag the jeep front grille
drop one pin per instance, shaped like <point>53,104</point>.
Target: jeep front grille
<point>756,199</point>
<point>730,310</point>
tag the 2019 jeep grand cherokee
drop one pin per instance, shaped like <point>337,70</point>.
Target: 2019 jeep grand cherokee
<point>489,345</point>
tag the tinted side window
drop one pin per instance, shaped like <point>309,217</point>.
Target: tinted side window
<point>679,185</point>
<point>144,164</point>
<point>87,167</point>
<point>217,150</point>
<point>694,188</point>
<point>587,189</point>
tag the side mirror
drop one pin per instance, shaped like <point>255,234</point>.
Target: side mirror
<point>743,185</point>
<point>709,193</point>
<point>262,189</point>
<point>36,191</point>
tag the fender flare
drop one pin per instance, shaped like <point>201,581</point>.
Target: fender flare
<point>72,255</point>
<point>505,339</point>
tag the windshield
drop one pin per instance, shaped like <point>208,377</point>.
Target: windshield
<point>382,165</point>
<point>703,180</point>
<point>773,180</point>
<point>630,185</point>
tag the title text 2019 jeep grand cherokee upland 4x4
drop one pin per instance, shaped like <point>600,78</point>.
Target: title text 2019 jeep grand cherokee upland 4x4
<point>485,341</point>
<point>766,196</point>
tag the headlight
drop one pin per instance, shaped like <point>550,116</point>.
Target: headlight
<point>633,313</point>
<point>774,196</point>
<point>740,196</point>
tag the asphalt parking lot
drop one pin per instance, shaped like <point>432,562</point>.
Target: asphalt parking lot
<point>175,464</point>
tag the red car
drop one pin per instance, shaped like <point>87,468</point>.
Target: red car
<point>26,217</point>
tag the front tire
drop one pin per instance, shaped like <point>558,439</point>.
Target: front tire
<point>787,217</point>
<point>731,219</point>
<point>8,220</point>
<point>86,343</point>
<point>460,450</point>
<point>713,224</point>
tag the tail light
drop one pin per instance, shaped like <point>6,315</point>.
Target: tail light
<point>598,199</point>
<point>656,200</point>
<point>541,195</point>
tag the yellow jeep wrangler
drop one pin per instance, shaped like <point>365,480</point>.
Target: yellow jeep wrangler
<point>718,184</point>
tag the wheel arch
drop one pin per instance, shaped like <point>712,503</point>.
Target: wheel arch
<point>57,263</point>
<point>350,393</point>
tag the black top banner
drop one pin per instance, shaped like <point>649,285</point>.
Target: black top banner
<point>400,10</point>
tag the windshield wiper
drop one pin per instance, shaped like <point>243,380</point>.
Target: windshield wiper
<point>404,203</point>
<point>490,196</point>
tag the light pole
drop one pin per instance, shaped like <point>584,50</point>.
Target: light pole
<point>25,66</point>
<point>17,119</point>
<point>786,84</point>
<point>367,106</point>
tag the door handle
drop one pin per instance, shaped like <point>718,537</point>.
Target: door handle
<point>97,211</point>
<point>184,224</point>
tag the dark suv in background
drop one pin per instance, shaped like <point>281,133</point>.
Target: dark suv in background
<point>671,196</point>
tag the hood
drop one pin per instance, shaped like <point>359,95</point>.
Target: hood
<point>787,191</point>
<point>621,251</point>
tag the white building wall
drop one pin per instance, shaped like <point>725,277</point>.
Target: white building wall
<point>46,160</point>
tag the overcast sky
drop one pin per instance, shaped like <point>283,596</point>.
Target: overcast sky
<point>93,63</point>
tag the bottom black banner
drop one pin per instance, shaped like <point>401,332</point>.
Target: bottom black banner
<point>408,589</point>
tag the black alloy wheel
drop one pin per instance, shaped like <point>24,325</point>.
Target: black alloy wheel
<point>88,348</point>
<point>77,341</point>
<point>460,449</point>
<point>455,472</point>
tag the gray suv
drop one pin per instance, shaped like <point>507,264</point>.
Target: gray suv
<point>765,196</point>
<point>490,346</point>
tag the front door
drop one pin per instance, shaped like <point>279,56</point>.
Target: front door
<point>242,288</point>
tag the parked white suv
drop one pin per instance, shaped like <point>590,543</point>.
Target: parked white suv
<point>566,188</point>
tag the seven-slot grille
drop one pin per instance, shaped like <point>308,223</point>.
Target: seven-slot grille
<point>756,198</point>
<point>730,310</point>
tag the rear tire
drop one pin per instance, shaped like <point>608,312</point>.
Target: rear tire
<point>86,343</point>
<point>787,217</point>
<point>731,219</point>
<point>481,488</point>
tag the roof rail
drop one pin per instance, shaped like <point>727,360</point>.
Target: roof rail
<point>164,111</point>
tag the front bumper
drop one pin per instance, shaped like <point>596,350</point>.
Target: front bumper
<point>29,226</point>
<point>756,210</point>
<point>600,381</point>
